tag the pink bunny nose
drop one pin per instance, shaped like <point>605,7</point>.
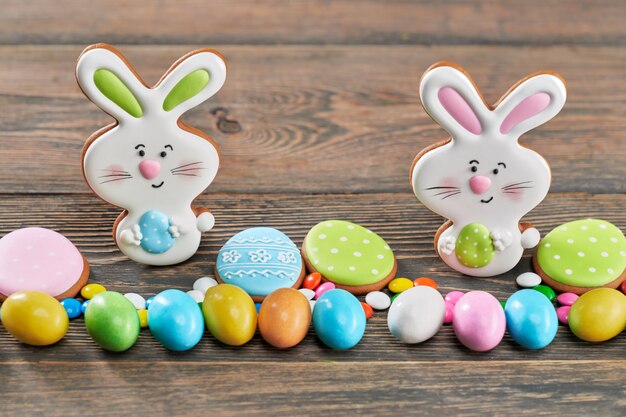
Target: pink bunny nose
<point>479,184</point>
<point>149,168</point>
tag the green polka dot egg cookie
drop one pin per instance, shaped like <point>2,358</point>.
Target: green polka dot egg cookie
<point>350,256</point>
<point>581,255</point>
<point>474,247</point>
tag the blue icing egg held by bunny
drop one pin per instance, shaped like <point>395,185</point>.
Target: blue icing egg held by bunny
<point>260,260</point>
<point>154,227</point>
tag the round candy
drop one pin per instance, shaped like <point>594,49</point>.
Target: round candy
<point>351,256</point>
<point>474,247</point>
<point>311,281</point>
<point>399,285</point>
<point>308,293</point>
<point>562,313</point>
<point>175,320</point>
<point>567,298</point>
<point>378,300</point>
<point>429,282</point>
<point>393,298</point>
<point>320,290</point>
<point>149,301</point>
<point>90,290</point>
<point>197,296</point>
<point>531,319</point>
<point>83,306</point>
<point>339,319</point>
<point>547,291</point>
<point>597,315</point>
<point>312,304</point>
<point>528,280</point>
<point>34,318</point>
<point>203,284</point>
<point>143,318</point>
<point>230,314</point>
<point>257,306</point>
<point>367,309</point>
<point>260,261</point>
<point>72,307</point>
<point>479,321</point>
<point>284,318</point>
<point>112,321</point>
<point>448,318</point>
<point>623,287</point>
<point>416,315</point>
<point>38,259</point>
<point>453,296</point>
<point>138,301</point>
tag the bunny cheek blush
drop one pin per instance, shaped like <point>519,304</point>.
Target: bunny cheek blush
<point>481,179</point>
<point>150,163</point>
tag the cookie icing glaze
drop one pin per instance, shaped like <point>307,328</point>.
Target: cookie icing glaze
<point>43,260</point>
<point>482,176</point>
<point>259,261</point>
<point>149,161</point>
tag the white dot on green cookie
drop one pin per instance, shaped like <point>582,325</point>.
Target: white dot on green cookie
<point>486,249</point>
<point>564,228</point>
<point>584,227</point>
<point>569,271</point>
<point>547,245</point>
<point>593,240</point>
<point>315,249</point>
<point>369,231</point>
<point>329,225</point>
<point>570,240</point>
<point>330,267</point>
<point>604,254</point>
<point>352,268</point>
<point>465,251</point>
<point>343,239</point>
<point>622,253</point>
<point>581,254</point>
<point>592,269</point>
<point>466,237</point>
<point>322,236</point>
<point>374,271</point>
<point>602,226</point>
<point>613,239</point>
<point>380,257</point>
<point>350,227</point>
<point>386,247</point>
<point>475,243</point>
<point>476,230</point>
<point>610,270</point>
<point>366,241</point>
<point>334,250</point>
<point>557,257</point>
<point>357,254</point>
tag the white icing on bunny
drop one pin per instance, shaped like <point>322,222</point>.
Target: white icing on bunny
<point>483,175</point>
<point>150,163</point>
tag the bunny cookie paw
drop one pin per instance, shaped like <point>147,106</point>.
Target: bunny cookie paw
<point>175,229</point>
<point>205,221</point>
<point>501,239</point>
<point>132,236</point>
<point>447,245</point>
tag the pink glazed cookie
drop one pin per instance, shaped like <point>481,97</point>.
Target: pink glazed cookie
<point>40,259</point>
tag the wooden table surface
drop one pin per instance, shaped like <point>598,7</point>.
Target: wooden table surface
<point>319,119</point>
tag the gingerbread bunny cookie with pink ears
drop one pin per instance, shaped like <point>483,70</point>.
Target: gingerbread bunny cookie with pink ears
<point>149,162</point>
<point>481,179</point>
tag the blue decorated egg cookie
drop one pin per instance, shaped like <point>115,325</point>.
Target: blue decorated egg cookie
<point>260,260</point>
<point>154,227</point>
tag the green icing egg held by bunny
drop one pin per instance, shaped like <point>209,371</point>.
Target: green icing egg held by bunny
<point>474,247</point>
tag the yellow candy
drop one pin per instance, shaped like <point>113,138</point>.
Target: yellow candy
<point>90,290</point>
<point>34,318</point>
<point>229,314</point>
<point>398,285</point>
<point>598,315</point>
<point>143,318</point>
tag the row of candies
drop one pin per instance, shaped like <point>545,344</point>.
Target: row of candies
<point>417,311</point>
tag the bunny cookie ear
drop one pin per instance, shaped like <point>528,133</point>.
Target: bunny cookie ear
<point>531,103</point>
<point>106,79</point>
<point>192,80</point>
<point>451,99</point>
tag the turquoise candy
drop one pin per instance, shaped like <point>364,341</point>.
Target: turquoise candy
<point>474,247</point>
<point>154,227</point>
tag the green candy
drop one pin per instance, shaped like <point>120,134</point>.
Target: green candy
<point>503,304</point>
<point>394,297</point>
<point>547,291</point>
<point>112,321</point>
<point>583,253</point>
<point>474,247</point>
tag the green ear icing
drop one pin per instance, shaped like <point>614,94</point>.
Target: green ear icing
<point>186,88</point>
<point>115,90</point>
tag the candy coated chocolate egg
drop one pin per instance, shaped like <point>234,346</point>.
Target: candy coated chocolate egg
<point>623,287</point>
<point>429,282</point>
<point>417,314</point>
<point>83,306</point>
<point>338,319</point>
<point>367,309</point>
<point>230,314</point>
<point>528,280</point>
<point>143,318</point>
<point>203,284</point>
<point>197,296</point>
<point>479,321</point>
<point>567,299</point>
<point>399,285</point>
<point>34,318</point>
<point>598,315</point>
<point>138,301</point>
<point>474,247</point>
<point>562,313</point>
<point>284,318</point>
<point>447,319</point>
<point>112,321</point>
<point>312,281</point>
<point>545,290</point>
<point>175,320</point>
<point>72,307</point>
<point>453,296</point>
<point>531,319</point>
<point>308,293</point>
<point>321,289</point>
<point>378,300</point>
<point>90,290</point>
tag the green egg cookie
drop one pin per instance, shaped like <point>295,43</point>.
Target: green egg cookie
<point>582,255</point>
<point>352,257</point>
<point>474,247</point>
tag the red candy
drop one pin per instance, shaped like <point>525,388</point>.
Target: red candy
<point>426,282</point>
<point>312,281</point>
<point>623,287</point>
<point>369,312</point>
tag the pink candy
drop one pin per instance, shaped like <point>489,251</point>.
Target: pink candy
<point>566,299</point>
<point>447,319</point>
<point>453,296</point>
<point>322,288</point>
<point>562,313</point>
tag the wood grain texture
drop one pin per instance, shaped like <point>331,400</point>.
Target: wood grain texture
<point>316,119</point>
<point>309,21</point>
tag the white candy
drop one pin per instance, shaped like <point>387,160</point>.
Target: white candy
<point>197,296</point>
<point>312,304</point>
<point>378,300</point>
<point>416,314</point>
<point>203,284</point>
<point>309,294</point>
<point>138,301</point>
<point>528,280</point>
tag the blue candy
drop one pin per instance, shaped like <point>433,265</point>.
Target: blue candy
<point>339,319</point>
<point>148,302</point>
<point>175,320</point>
<point>83,306</point>
<point>154,227</point>
<point>73,307</point>
<point>531,319</point>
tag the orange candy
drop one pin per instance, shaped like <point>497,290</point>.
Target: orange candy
<point>428,282</point>
<point>369,312</point>
<point>312,281</point>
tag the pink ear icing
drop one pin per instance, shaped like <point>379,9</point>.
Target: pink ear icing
<point>458,108</point>
<point>529,107</point>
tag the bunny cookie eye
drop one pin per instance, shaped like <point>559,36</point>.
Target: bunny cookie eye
<point>474,168</point>
<point>163,154</point>
<point>141,152</point>
<point>496,170</point>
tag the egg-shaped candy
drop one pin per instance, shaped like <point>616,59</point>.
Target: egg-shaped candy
<point>34,318</point>
<point>284,318</point>
<point>112,321</point>
<point>416,314</point>
<point>175,320</point>
<point>479,321</point>
<point>339,319</point>
<point>230,314</point>
<point>598,315</point>
<point>531,319</point>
